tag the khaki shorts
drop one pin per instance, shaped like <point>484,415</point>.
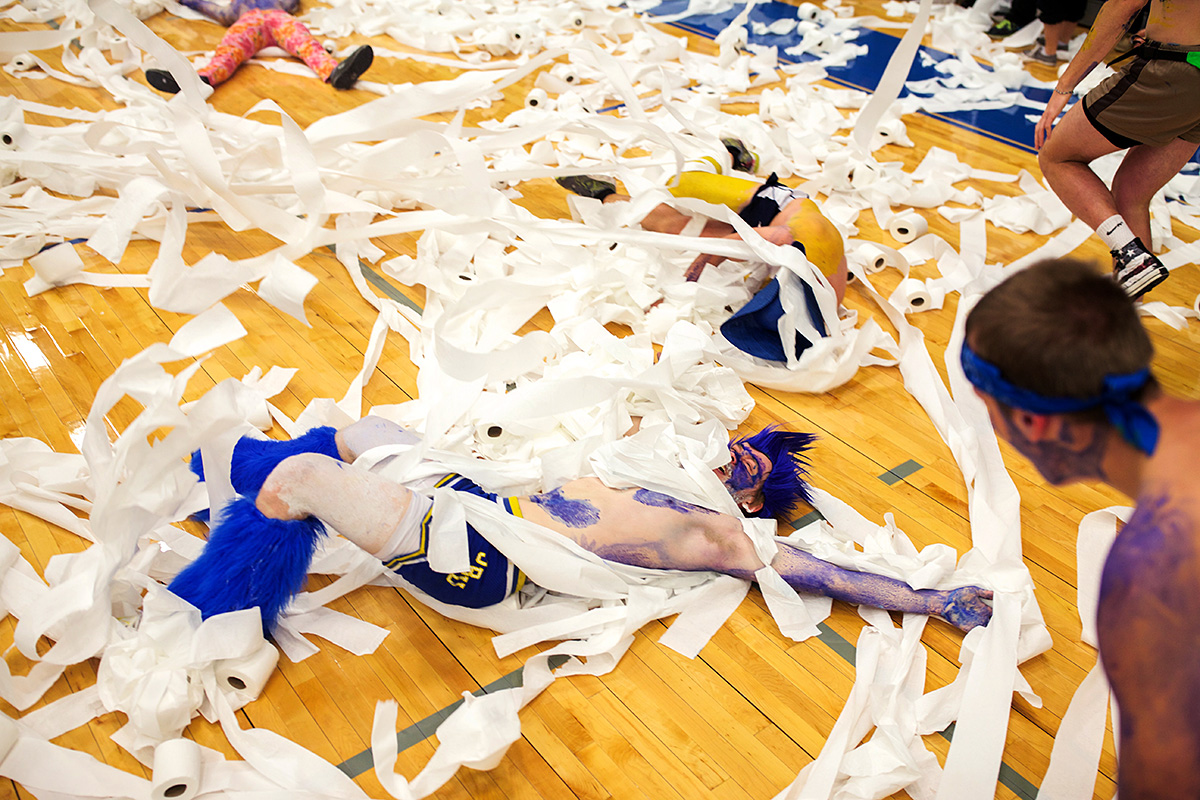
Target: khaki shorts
<point>1153,101</point>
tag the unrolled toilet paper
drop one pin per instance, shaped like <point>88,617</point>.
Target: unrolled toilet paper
<point>244,678</point>
<point>908,227</point>
<point>9,733</point>
<point>176,770</point>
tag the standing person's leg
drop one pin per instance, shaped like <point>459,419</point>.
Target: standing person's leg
<point>1142,173</point>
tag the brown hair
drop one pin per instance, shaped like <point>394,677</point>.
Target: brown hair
<point>1058,328</point>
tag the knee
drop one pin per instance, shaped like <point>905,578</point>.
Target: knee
<point>282,493</point>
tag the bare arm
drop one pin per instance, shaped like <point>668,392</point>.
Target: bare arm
<point>1111,23</point>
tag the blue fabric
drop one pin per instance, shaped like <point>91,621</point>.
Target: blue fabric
<point>754,328</point>
<point>1135,424</point>
<point>253,459</point>
<point>490,578</point>
<point>250,560</point>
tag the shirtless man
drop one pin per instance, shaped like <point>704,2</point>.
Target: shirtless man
<point>287,487</point>
<point>780,215</point>
<point>1151,107</point>
<point>1059,356</point>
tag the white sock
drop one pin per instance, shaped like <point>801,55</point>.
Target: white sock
<point>1115,232</point>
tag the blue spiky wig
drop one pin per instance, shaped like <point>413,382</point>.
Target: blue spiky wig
<point>785,487</point>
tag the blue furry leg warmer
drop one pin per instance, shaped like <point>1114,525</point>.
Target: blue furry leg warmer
<point>253,459</point>
<point>250,560</point>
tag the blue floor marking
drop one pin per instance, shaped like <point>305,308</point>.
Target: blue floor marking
<point>1009,126</point>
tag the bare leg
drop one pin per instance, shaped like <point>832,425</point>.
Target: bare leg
<point>359,437</point>
<point>1142,173</point>
<point>364,508</point>
<point>664,219</point>
<point>1064,158</point>
<point>1055,34</point>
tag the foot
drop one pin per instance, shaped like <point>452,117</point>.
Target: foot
<point>1042,41</point>
<point>587,186</point>
<point>965,608</point>
<point>1002,29</point>
<point>744,160</point>
<point>162,80</point>
<point>1038,54</point>
<point>351,68</point>
<point>1137,270</point>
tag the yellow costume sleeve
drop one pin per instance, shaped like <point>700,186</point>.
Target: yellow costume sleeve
<point>723,190</point>
<point>822,243</point>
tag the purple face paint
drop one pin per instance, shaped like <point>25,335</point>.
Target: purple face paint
<point>745,475</point>
<point>571,512</point>
<point>660,500</point>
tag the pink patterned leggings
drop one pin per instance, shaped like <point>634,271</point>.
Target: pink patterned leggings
<point>256,30</point>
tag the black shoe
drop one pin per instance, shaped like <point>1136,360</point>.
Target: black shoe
<point>744,160</point>
<point>351,68</point>
<point>162,80</point>
<point>587,186</point>
<point>1137,270</point>
<point>1001,29</point>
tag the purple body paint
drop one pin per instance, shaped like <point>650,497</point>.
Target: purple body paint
<point>570,512</point>
<point>660,500</point>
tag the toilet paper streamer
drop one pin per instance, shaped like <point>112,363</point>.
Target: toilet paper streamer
<point>246,677</point>
<point>907,227</point>
<point>176,770</point>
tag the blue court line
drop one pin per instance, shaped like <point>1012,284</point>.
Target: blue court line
<point>1008,126</point>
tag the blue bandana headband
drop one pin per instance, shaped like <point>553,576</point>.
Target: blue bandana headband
<point>1131,419</point>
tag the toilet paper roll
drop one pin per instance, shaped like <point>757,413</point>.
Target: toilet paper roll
<point>565,73</point>
<point>912,295</point>
<point>22,62</point>
<point>908,227</point>
<point>11,133</point>
<point>9,733</point>
<point>245,678</point>
<point>807,11</point>
<point>176,770</point>
<point>876,258</point>
<point>330,46</point>
<point>492,433</point>
<point>537,98</point>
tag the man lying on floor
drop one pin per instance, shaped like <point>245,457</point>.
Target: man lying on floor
<point>779,214</point>
<point>259,551</point>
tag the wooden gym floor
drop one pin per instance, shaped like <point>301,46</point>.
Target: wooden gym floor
<point>739,721</point>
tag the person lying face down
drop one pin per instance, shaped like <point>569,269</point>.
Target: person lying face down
<point>1062,361</point>
<point>258,552</point>
<point>255,25</point>
<point>779,214</point>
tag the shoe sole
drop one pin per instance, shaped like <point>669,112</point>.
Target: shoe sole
<point>1144,282</point>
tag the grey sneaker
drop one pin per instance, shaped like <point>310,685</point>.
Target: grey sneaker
<point>1137,270</point>
<point>1038,54</point>
<point>744,159</point>
<point>1042,41</point>
<point>587,186</point>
